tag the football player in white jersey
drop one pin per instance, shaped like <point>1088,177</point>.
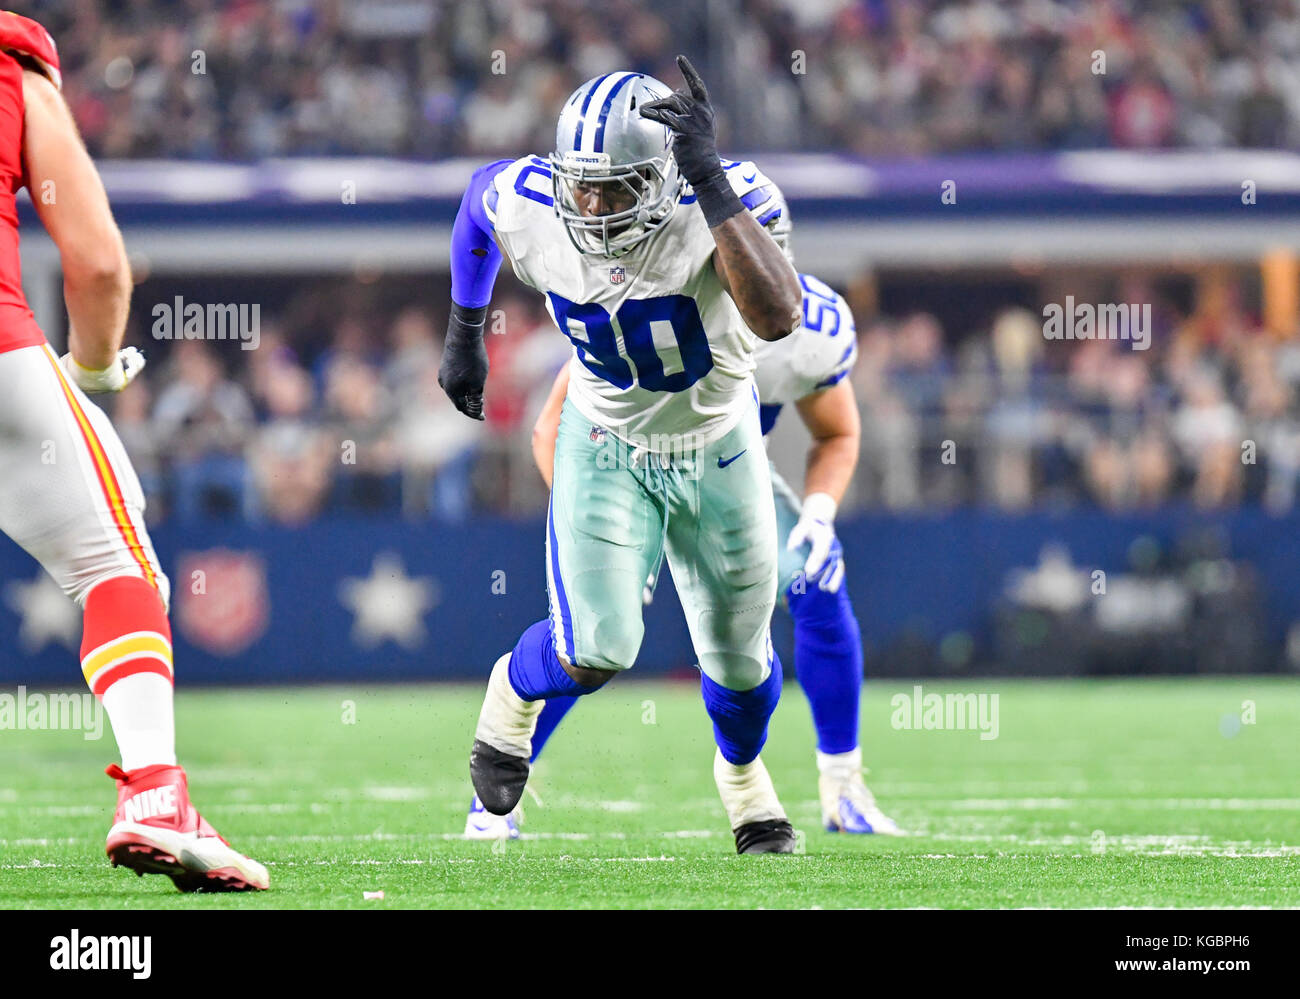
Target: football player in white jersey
<point>659,449</point>
<point>809,369</point>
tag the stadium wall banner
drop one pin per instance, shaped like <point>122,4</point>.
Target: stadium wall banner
<point>818,186</point>
<point>366,599</point>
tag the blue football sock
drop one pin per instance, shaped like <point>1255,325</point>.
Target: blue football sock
<point>828,663</point>
<point>551,716</point>
<point>740,716</point>
<point>535,670</point>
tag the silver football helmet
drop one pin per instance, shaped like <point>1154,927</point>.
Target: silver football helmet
<point>616,164</point>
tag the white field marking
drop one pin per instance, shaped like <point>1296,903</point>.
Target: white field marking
<point>423,862</point>
<point>73,811</point>
<point>1150,844</point>
<point>613,860</point>
<point>380,837</point>
<point>926,790</point>
<point>59,811</point>
<point>1175,804</point>
<point>1136,840</point>
<point>237,798</point>
<point>598,804</point>
<point>1057,848</point>
<point>395,793</point>
<point>240,776</point>
<point>44,841</point>
<point>630,860</point>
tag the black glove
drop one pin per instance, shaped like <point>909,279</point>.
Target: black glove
<point>464,368</point>
<point>690,117</point>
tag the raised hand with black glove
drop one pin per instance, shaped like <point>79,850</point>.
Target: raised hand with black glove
<point>464,368</point>
<point>689,115</point>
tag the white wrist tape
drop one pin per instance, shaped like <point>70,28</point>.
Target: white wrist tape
<point>819,506</point>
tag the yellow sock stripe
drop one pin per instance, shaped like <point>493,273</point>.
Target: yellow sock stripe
<point>107,480</point>
<point>137,644</point>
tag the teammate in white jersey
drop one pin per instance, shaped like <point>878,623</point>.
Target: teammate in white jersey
<point>808,369</point>
<point>659,451</point>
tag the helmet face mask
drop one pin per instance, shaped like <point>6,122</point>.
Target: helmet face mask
<point>631,202</point>
<point>614,180</point>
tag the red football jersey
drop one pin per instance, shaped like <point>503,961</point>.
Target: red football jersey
<point>27,38</point>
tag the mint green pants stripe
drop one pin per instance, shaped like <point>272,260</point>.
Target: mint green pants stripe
<point>617,512</point>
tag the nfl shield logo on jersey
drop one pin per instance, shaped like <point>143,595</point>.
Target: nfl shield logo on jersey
<point>617,275</point>
<point>597,435</point>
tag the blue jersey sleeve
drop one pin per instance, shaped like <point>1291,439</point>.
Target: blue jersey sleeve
<point>475,258</point>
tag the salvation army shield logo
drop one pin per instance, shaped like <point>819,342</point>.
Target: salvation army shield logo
<point>221,598</point>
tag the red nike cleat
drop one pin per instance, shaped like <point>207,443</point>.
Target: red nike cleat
<point>157,831</point>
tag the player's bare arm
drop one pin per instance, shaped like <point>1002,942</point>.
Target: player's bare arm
<point>831,416</point>
<point>761,288</point>
<point>750,265</point>
<point>70,200</point>
<point>547,428</point>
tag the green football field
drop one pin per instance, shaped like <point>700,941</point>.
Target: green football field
<point>1093,794</point>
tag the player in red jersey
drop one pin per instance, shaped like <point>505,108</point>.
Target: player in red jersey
<point>68,493</point>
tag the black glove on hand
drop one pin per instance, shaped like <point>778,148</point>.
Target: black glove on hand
<point>690,117</point>
<point>464,368</point>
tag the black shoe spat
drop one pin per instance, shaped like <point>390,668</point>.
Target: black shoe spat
<point>768,836</point>
<point>498,777</point>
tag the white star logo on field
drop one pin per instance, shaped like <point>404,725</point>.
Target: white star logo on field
<point>389,604</point>
<point>48,614</point>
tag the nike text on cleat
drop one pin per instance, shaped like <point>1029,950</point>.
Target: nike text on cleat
<point>157,831</point>
<point>769,836</point>
<point>482,824</point>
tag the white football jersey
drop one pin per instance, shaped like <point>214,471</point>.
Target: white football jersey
<point>659,347</point>
<point>814,357</point>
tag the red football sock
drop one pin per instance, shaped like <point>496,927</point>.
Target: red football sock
<point>126,658</point>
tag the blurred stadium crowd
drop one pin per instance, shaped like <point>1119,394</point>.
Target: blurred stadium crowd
<point>339,408</point>
<point>244,79</point>
<point>340,411</point>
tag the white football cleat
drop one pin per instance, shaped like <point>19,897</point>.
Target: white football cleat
<point>482,824</point>
<point>849,806</point>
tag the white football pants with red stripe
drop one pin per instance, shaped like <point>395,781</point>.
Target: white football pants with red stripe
<point>69,496</point>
